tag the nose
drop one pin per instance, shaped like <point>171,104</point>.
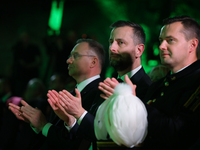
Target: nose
<point>69,60</point>
<point>113,47</point>
<point>163,45</point>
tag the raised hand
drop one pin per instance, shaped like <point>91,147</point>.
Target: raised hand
<point>107,87</point>
<point>71,103</point>
<point>133,86</point>
<point>17,112</point>
<point>33,115</point>
<point>53,100</point>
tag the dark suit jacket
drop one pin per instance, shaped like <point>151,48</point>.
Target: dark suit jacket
<point>58,136</point>
<point>141,79</point>
<point>173,123</point>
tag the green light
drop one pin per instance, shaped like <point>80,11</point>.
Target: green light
<point>147,32</point>
<point>56,14</point>
<point>152,62</point>
<point>144,55</point>
<point>155,49</point>
<point>109,72</point>
<point>109,9</point>
<point>146,67</point>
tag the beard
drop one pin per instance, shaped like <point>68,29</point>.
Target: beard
<point>121,62</point>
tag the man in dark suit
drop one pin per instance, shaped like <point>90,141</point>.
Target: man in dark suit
<point>84,64</point>
<point>127,41</point>
<point>173,110</point>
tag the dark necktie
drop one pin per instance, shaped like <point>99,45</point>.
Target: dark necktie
<point>120,80</point>
<point>73,91</point>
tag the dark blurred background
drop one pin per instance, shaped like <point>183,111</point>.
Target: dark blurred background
<point>29,21</point>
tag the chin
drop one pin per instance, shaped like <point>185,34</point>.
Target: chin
<point>70,73</point>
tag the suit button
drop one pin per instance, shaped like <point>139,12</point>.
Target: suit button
<point>173,78</point>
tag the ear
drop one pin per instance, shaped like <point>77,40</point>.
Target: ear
<point>193,45</point>
<point>94,62</point>
<point>139,50</point>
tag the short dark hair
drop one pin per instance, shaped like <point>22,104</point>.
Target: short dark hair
<point>95,47</point>
<point>191,26</point>
<point>138,32</point>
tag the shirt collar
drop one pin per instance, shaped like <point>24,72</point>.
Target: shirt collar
<point>180,69</point>
<point>131,73</point>
<point>84,83</point>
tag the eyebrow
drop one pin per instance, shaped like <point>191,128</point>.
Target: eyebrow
<point>119,39</point>
<point>74,53</point>
<point>167,37</point>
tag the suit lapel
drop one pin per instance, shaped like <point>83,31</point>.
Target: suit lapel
<point>90,86</point>
<point>136,77</point>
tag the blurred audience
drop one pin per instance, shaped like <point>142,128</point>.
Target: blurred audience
<point>58,49</point>
<point>26,63</point>
<point>158,72</point>
<point>5,93</point>
<point>16,134</point>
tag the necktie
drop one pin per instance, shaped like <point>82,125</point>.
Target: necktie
<point>73,91</point>
<point>120,80</point>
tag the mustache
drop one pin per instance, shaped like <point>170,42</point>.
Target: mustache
<point>114,54</point>
<point>164,53</point>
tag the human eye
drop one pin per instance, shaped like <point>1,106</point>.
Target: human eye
<point>160,40</point>
<point>75,55</point>
<point>170,40</point>
<point>121,42</point>
<point>110,41</point>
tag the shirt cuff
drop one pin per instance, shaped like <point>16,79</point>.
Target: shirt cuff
<point>35,130</point>
<point>69,127</point>
<point>82,116</point>
<point>45,129</point>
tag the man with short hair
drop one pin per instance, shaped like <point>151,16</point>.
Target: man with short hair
<point>174,113</point>
<point>126,45</point>
<point>84,64</point>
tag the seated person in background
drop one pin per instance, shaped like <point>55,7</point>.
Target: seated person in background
<point>15,132</point>
<point>5,94</point>
<point>158,72</point>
